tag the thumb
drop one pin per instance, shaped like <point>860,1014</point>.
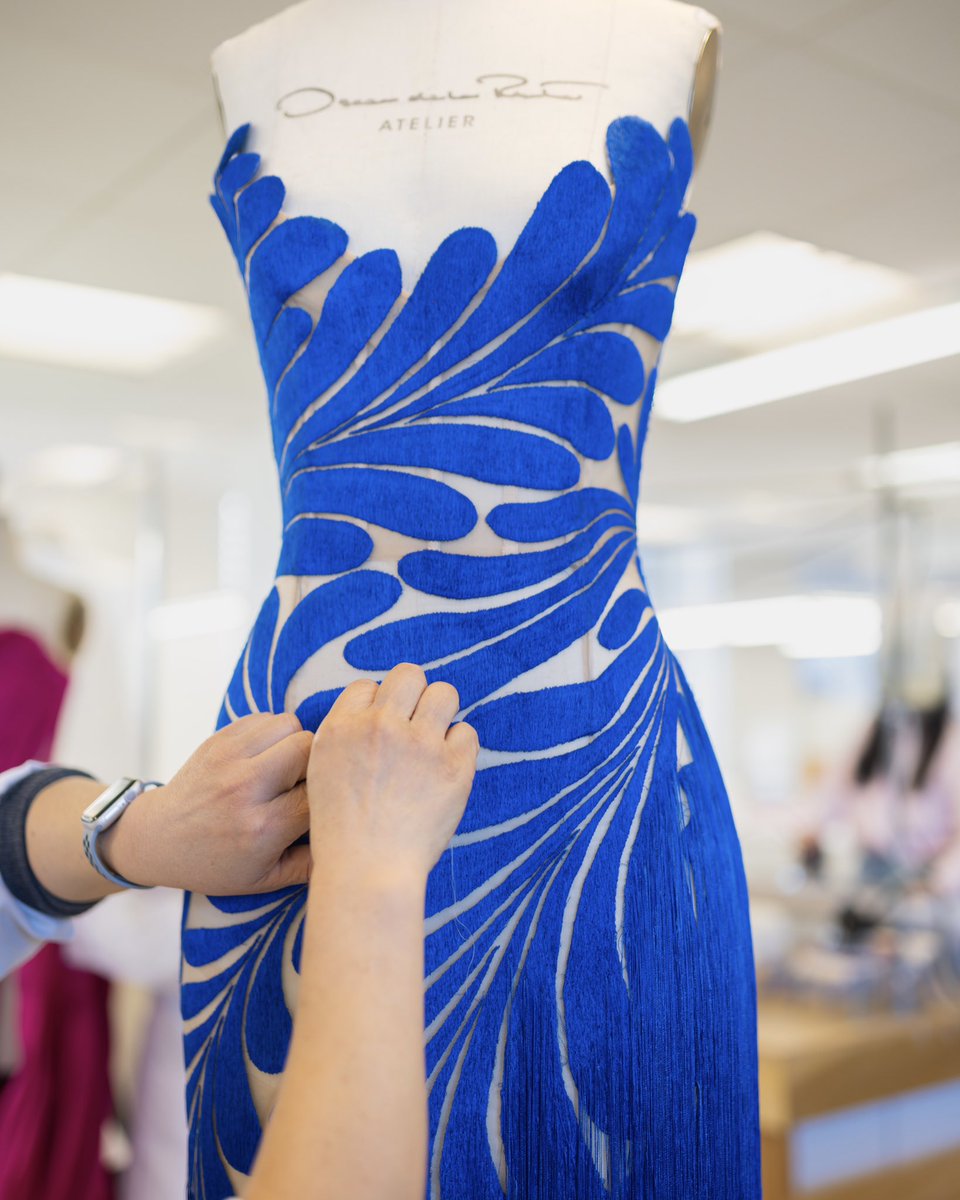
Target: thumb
<point>291,869</point>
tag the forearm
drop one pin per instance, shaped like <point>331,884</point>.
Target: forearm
<point>227,823</point>
<point>54,840</point>
<point>351,1114</point>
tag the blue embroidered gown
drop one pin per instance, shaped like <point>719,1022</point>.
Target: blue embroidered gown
<point>589,998</point>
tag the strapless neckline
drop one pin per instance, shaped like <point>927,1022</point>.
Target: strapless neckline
<point>247,163</point>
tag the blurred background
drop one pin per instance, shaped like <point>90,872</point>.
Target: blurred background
<point>798,525</point>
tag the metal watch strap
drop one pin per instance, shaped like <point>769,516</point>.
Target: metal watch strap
<point>92,835</point>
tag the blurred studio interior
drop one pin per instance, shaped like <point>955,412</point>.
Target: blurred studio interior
<point>798,526</point>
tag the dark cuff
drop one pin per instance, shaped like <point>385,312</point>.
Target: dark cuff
<point>15,867</point>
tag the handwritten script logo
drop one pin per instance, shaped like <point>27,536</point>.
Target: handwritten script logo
<point>308,101</point>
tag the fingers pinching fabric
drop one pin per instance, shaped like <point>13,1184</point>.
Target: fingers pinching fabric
<point>459,469</point>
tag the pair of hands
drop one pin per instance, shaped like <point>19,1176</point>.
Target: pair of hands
<point>383,782</point>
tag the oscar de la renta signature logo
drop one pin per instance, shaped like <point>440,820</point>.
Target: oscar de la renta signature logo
<point>499,85</point>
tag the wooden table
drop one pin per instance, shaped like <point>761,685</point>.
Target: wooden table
<point>816,1062</point>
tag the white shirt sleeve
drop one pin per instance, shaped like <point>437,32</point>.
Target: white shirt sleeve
<point>23,930</point>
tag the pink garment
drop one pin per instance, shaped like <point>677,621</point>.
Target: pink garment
<point>32,688</point>
<point>52,1110</point>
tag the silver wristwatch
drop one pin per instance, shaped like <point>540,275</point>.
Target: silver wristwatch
<point>105,811</point>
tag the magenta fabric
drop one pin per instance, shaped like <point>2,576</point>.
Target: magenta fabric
<point>52,1110</point>
<point>32,688</point>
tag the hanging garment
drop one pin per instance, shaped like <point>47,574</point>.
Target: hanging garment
<point>53,1110</point>
<point>54,1105</point>
<point>459,469</point>
<point>897,790</point>
<point>32,690</point>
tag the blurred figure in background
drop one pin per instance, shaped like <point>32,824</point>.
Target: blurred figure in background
<point>899,792</point>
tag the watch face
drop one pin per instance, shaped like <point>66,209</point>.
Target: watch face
<point>96,810</point>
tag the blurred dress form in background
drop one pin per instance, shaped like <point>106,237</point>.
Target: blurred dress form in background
<point>111,994</point>
<point>59,1094</point>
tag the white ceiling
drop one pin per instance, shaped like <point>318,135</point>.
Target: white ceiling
<point>836,121</point>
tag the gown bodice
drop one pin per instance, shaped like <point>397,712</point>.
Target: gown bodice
<point>480,433</point>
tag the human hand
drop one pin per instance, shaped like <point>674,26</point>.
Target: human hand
<point>387,783</point>
<point>225,822</point>
<point>389,776</point>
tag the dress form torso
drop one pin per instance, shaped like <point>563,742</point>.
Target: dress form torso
<point>459,340</point>
<point>340,159</point>
<point>336,94</point>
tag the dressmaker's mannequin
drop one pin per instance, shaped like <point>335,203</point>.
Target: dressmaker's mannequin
<point>40,629</point>
<point>461,225</point>
<point>450,108</point>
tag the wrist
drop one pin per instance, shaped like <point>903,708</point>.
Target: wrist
<point>130,847</point>
<point>396,876</point>
<point>43,863</point>
<point>362,891</point>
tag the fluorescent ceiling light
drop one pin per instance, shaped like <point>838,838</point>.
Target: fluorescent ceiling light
<point>766,286</point>
<point>908,468</point>
<point>814,626</point>
<point>71,324</point>
<point>74,466</point>
<point>809,366</point>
